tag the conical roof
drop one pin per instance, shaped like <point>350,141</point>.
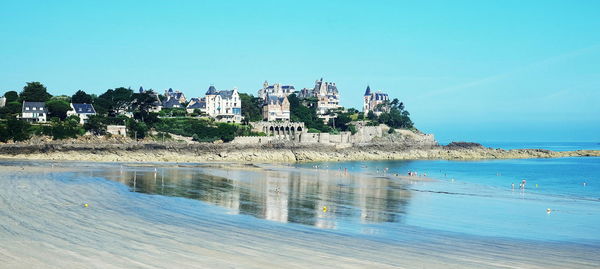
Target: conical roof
<point>368,91</point>
<point>211,90</point>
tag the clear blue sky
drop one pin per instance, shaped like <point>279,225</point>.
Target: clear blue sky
<point>466,70</point>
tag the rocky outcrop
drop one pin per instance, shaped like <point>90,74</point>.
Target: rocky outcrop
<point>267,153</point>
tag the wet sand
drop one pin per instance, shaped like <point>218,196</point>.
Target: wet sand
<point>43,223</point>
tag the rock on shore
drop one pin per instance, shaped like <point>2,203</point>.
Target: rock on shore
<point>271,153</point>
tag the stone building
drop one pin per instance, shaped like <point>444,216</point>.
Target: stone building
<point>276,108</point>
<point>372,99</point>
<point>328,97</point>
<point>224,106</point>
<point>290,131</point>
<point>179,96</point>
<point>2,101</point>
<point>275,90</point>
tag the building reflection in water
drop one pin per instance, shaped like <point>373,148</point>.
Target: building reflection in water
<point>318,198</point>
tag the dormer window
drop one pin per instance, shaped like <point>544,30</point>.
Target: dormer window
<point>26,108</point>
<point>34,108</point>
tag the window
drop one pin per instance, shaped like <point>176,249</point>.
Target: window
<point>26,108</point>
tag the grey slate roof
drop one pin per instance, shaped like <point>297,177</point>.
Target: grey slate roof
<point>225,94</point>
<point>39,106</point>
<point>199,105</point>
<point>84,109</point>
<point>171,103</point>
<point>368,91</point>
<point>211,90</point>
<point>381,96</point>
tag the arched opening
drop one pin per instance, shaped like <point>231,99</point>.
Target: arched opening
<point>299,129</point>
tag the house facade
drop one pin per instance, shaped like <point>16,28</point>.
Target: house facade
<point>276,108</point>
<point>196,103</point>
<point>34,111</point>
<point>372,100</point>
<point>83,111</point>
<point>275,90</point>
<point>224,106</point>
<point>327,94</point>
<point>2,101</point>
<point>170,93</point>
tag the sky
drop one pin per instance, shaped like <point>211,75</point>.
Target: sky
<point>466,70</point>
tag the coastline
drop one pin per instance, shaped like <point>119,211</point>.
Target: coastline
<point>269,153</point>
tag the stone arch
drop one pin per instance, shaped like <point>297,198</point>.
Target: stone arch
<point>299,129</point>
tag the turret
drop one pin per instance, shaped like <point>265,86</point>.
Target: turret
<point>368,91</point>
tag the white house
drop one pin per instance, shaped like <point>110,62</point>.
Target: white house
<point>34,111</point>
<point>83,111</point>
<point>224,106</point>
<point>2,101</point>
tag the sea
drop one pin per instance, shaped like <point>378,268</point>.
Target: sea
<point>520,200</point>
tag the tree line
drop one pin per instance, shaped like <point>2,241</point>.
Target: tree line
<point>111,105</point>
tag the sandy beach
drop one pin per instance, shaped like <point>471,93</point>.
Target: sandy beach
<point>44,223</point>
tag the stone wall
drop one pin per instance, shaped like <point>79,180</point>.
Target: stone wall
<point>253,140</point>
<point>366,134</point>
<point>116,130</point>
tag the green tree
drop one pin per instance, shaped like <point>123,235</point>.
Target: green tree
<point>11,96</point>
<point>80,97</point>
<point>251,108</point>
<point>141,104</point>
<point>58,108</point>
<point>305,111</point>
<point>371,115</point>
<point>68,128</point>
<point>12,108</point>
<point>15,129</point>
<point>137,129</point>
<point>117,100</point>
<point>35,92</point>
<point>96,124</point>
<point>342,121</point>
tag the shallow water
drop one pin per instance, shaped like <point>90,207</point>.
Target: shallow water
<point>476,197</point>
<point>247,216</point>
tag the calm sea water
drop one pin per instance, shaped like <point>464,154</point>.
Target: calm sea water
<point>476,197</point>
<point>466,198</point>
